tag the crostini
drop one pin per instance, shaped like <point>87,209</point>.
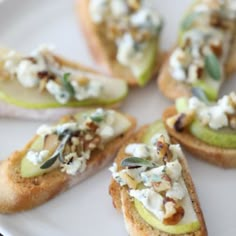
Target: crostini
<point>205,51</point>
<point>123,37</point>
<point>43,85</point>
<point>60,156</point>
<point>152,187</point>
<point>208,130</point>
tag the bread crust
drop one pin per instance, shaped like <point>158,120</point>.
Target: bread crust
<point>19,194</point>
<point>135,225</point>
<point>225,158</point>
<point>103,49</point>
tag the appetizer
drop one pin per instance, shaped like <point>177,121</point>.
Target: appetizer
<point>204,128</point>
<point>153,188</point>
<point>205,52</point>
<point>43,85</point>
<point>123,37</point>
<point>60,156</point>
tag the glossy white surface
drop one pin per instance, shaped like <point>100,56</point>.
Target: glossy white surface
<point>87,210</point>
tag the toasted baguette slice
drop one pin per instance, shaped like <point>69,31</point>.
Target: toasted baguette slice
<point>19,194</point>
<point>215,155</point>
<point>135,225</point>
<point>9,108</point>
<point>103,50</point>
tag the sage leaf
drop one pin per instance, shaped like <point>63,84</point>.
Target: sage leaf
<point>67,85</point>
<point>97,118</point>
<point>212,66</point>
<point>200,94</point>
<point>188,20</point>
<point>57,154</point>
<point>136,162</point>
<point>49,163</point>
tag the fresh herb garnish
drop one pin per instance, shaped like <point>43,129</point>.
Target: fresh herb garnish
<point>137,162</point>
<point>212,66</point>
<point>200,94</point>
<point>188,20</point>
<point>58,154</point>
<point>97,118</point>
<point>67,85</point>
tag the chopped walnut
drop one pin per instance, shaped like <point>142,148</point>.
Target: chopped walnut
<point>173,212</point>
<point>163,185</point>
<point>183,120</point>
<point>134,4</point>
<point>163,149</point>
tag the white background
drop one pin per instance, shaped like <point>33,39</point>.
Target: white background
<point>86,210</point>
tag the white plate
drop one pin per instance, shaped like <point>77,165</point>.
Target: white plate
<point>87,210</point>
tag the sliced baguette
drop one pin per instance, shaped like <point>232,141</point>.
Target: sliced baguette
<point>103,49</point>
<point>135,225</point>
<point>221,157</point>
<point>19,194</point>
<point>54,113</point>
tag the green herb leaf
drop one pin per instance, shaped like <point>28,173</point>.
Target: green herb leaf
<point>200,94</point>
<point>188,20</point>
<point>97,118</point>
<point>49,163</point>
<point>212,66</point>
<point>136,162</point>
<point>57,154</point>
<point>67,85</point>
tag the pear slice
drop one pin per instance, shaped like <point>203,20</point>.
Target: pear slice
<point>144,70</point>
<point>224,138</point>
<point>14,93</point>
<point>50,143</point>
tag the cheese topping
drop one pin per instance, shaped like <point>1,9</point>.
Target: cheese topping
<point>208,29</point>
<point>41,70</point>
<point>131,25</point>
<point>221,114</point>
<point>153,174</point>
<point>74,141</point>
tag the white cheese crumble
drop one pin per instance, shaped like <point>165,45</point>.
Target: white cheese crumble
<point>61,95</point>
<point>151,200</point>
<point>98,10</point>
<point>75,164</point>
<point>176,192</point>
<point>92,90</point>
<point>174,170</point>
<point>119,8</point>
<point>37,157</point>
<point>213,115</point>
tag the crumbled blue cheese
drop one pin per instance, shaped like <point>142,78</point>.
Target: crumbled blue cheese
<point>61,95</point>
<point>153,175</point>
<point>98,10</point>
<point>119,8</point>
<point>151,200</point>
<point>138,150</point>
<point>92,90</point>
<point>147,19</point>
<point>173,170</point>
<point>128,51</point>
<point>177,191</point>
<point>45,130</point>
<point>71,126</point>
<point>215,115</point>
<point>74,164</point>
<point>37,157</point>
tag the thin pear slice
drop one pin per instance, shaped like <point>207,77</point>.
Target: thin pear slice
<point>14,93</point>
<point>225,138</point>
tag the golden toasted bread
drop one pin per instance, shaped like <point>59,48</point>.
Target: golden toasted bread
<point>19,194</point>
<point>135,224</point>
<point>215,155</point>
